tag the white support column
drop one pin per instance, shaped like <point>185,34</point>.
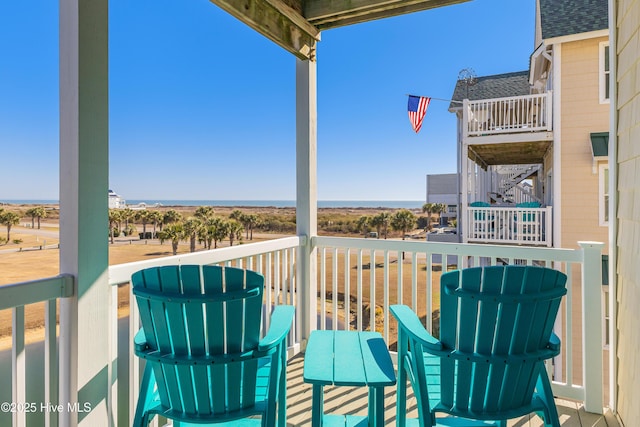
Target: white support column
<point>306,192</point>
<point>85,364</point>
<point>463,223</point>
<point>613,211</point>
<point>464,198</point>
<point>557,147</point>
<point>592,368</point>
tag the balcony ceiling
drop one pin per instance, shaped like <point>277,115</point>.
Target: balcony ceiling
<point>515,153</point>
<point>296,24</point>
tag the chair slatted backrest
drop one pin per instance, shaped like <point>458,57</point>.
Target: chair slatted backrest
<point>480,215</point>
<point>496,322</point>
<point>192,317</point>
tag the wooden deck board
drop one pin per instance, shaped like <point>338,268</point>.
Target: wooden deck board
<point>353,401</point>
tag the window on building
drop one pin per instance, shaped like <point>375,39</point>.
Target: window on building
<point>603,200</point>
<point>605,73</point>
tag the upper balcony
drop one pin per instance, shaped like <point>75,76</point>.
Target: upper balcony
<point>524,122</point>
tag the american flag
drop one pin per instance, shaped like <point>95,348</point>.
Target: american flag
<point>417,109</point>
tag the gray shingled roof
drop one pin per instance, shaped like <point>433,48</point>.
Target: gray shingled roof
<point>566,17</point>
<point>497,86</point>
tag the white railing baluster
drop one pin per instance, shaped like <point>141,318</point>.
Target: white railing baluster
<point>18,367</point>
<point>334,290</point>
<point>292,275</point>
<point>285,278</point>
<point>323,289</point>
<point>385,292</point>
<point>347,289</point>
<point>429,296</point>
<point>135,363</point>
<point>359,312</point>
<point>568,319</point>
<point>50,360</point>
<point>372,290</point>
<point>277,285</point>
<point>269,297</point>
<point>112,369</point>
<point>414,282</point>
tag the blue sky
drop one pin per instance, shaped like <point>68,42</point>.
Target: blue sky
<point>202,107</point>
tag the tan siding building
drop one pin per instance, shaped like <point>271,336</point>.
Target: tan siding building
<point>582,114</point>
<point>627,133</point>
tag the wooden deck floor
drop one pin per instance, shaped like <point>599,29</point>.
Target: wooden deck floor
<point>353,400</point>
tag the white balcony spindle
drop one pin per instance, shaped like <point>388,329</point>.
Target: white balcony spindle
<point>334,289</point>
<point>18,368</point>
<point>50,360</point>
<point>347,289</point>
<point>359,312</point>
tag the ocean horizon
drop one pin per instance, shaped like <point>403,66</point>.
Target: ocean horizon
<point>406,204</point>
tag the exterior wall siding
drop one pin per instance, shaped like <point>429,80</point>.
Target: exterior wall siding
<point>628,209</point>
<point>581,115</point>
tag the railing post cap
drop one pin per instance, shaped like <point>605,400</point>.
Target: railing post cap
<point>587,244</point>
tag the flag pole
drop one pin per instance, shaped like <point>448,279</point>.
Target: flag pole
<point>436,99</point>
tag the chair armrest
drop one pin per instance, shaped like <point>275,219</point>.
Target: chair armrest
<point>140,341</point>
<point>410,323</point>
<point>281,320</point>
<point>554,342</point>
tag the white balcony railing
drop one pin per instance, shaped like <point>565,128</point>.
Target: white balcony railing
<point>508,225</point>
<point>34,380</point>
<point>528,113</point>
<point>358,279</point>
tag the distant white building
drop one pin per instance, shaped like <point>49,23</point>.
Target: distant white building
<point>443,188</point>
<point>115,201</point>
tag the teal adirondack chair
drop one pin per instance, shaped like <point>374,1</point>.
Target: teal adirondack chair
<point>495,334</point>
<point>200,337</point>
<point>483,222</point>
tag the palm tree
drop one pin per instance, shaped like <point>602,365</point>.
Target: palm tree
<point>250,221</point>
<point>115,217</point>
<point>204,212</point>
<point>192,226</point>
<point>439,209</point>
<point>429,209</point>
<point>219,232</point>
<point>170,217</point>
<point>376,221</point>
<point>403,221</point>
<point>362,224</point>
<point>126,215</point>
<point>212,230</point>
<point>143,217</point>
<point>382,222</point>
<point>234,229</point>
<point>36,212</point>
<point>9,219</point>
<point>237,215</point>
<point>155,217</point>
<point>385,218</point>
<point>173,232</point>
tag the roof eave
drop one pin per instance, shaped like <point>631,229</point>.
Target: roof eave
<point>576,37</point>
